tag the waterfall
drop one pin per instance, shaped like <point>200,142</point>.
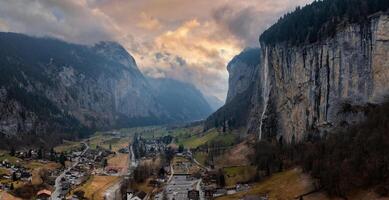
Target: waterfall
<point>265,92</point>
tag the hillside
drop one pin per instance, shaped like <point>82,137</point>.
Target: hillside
<point>185,102</point>
<point>58,89</point>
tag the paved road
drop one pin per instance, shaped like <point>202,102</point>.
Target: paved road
<point>199,164</point>
<point>171,174</point>
<point>198,188</point>
<point>58,186</point>
<point>113,191</point>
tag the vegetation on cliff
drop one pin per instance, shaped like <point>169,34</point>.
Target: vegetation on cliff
<point>320,20</point>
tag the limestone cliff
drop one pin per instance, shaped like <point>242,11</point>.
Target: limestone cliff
<point>241,72</point>
<point>310,83</point>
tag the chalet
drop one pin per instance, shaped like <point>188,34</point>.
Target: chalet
<point>43,194</point>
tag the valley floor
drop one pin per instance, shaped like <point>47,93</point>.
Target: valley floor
<point>203,158</point>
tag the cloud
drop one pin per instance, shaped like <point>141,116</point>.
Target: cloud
<point>3,26</point>
<point>148,22</point>
<point>70,20</point>
<point>192,53</point>
<point>247,20</point>
<point>183,39</point>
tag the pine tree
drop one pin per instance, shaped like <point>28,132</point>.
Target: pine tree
<point>12,152</point>
<point>14,178</point>
<point>52,154</point>
<point>40,153</point>
<point>62,159</point>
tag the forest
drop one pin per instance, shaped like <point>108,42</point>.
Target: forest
<point>357,156</point>
<point>320,20</point>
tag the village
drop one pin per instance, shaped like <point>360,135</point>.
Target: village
<point>181,177</point>
<point>113,165</point>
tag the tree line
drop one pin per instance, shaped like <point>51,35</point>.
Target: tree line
<point>345,160</point>
<point>320,20</point>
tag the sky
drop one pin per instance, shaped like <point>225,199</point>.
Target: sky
<point>187,40</point>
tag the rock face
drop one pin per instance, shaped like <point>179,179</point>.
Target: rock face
<point>241,71</point>
<point>47,85</point>
<point>310,83</point>
<point>299,92</point>
<point>67,85</point>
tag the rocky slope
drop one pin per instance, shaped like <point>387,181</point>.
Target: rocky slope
<point>48,85</point>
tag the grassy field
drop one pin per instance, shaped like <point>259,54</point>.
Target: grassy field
<point>68,146</point>
<point>95,187</point>
<point>38,167</point>
<point>35,167</point>
<point>238,174</point>
<point>281,186</point>
<point>11,159</point>
<point>119,161</point>
<point>201,157</point>
<point>292,183</point>
<point>6,196</point>
<point>4,171</point>
<point>197,140</point>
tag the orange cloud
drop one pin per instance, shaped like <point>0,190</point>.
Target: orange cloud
<point>148,23</point>
<point>183,39</point>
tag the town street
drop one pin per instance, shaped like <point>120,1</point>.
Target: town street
<point>57,194</point>
<point>114,190</point>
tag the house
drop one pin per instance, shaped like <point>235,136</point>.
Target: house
<point>220,192</point>
<point>254,197</point>
<point>193,195</point>
<point>43,194</point>
<point>131,196</point>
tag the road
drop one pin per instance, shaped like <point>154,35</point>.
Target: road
<point>171,173</point>
<point>198,188</point>
<point>113,191</point>
<point>58,186</point>
<point>199,164</point>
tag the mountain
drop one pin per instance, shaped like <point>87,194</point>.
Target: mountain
<point>242,69</point>
<point>214,102</point>
<point>314,62</point>
<point>184,102</point>
<point>52,87</point>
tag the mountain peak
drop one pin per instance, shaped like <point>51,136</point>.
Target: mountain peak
<point>115,51</point>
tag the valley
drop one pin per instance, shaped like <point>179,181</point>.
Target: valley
<point>128,100</point>
<point>156,162</point>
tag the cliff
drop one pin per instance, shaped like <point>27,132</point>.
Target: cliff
<point>309,84</point>
<point>298,91</point>
<point>243,72</point>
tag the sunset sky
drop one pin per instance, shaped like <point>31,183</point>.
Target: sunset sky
<point>189,40</point>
